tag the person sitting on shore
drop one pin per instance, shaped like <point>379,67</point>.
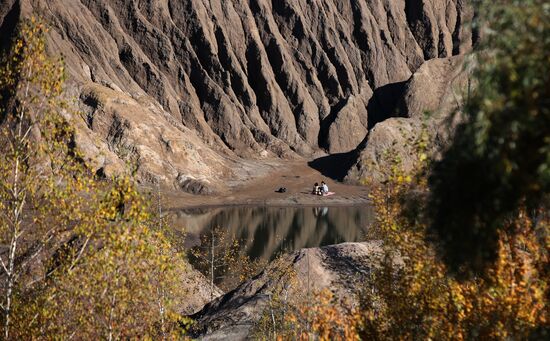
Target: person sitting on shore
<point>324,188</point>
<point>316,189</point>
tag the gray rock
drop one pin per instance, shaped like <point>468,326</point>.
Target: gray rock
<point>437,86</point>
<point>193,186</point>
<point>196,289</point>
<point>391,136</point>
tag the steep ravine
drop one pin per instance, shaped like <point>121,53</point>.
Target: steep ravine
<point>191,86</point>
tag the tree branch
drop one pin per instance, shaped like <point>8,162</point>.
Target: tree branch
<point>79,254</point>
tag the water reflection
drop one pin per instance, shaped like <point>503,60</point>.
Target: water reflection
<point>264,231</point>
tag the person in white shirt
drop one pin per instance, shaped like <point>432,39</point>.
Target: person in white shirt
<point>324,187</point>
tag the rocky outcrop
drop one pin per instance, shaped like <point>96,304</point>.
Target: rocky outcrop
<point>386,141</point>
<point>337,267</point>
<point>120,128</point>
<point>437,88</point>
<point>251,79</point>
<point>196,290</point>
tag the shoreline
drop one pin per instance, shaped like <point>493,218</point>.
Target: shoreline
<point>283,204</point>
<point>260,189</point>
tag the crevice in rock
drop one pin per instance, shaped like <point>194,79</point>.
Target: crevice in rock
<point>442,51</point>
<point>257,81</point>
<point>361,40</point>
<point>116,131</point>
<point>329,83</point>
<point>143,73</point>
<point>328,121</point>
<point>276,60</point>
<point>206,97</point>
<point>205,57</point>
<point>334,166</point>
<point>456,32</point>
<point>341,72</point>
<point>359,37</point>
<point>282,77</point>
<point>8,26</point>
<point>225,141</point>
<point>420,27</point>
<point>236,81</point>
<point>91,103</point>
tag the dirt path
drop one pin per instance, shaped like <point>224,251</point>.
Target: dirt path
<point>296,176</point>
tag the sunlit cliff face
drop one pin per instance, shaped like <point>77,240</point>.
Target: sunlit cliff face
<point>264,231</point>
<point>175,87</point>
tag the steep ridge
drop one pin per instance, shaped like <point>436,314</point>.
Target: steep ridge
<point>185,88</point>
<point>344,269</point>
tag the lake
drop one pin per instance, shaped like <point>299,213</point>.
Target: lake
<point>264,231</point>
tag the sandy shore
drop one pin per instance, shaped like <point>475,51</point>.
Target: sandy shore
<point>259,188</point>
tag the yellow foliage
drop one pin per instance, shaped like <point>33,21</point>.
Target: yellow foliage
<point>324,319</point>
<point>222,260</point>
<point>415,296</point>
<point>85,260</point>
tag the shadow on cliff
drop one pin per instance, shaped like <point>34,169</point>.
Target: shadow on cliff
<point>385,103</point>
<point>7,32</point>
<point>8,26</point>
<point>334,166</point>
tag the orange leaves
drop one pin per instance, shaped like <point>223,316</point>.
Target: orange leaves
<point>320,316</point>
<point>328,320</point>
<point>419,299</point>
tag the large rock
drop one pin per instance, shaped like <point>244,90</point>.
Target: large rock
<point>350,124</point>
<point>386,141</point>
<point>252,78</point>
<point>437,88</point>
<point>197,291</point>
<point>342,268</point>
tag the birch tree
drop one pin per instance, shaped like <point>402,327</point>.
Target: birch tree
<point>79,258</point>
<point>30,86</point>
<point>222,258</point>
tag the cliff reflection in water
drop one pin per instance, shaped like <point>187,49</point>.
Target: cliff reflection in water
<point>267,230</point>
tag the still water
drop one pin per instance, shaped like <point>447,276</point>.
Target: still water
<point>265,231</point>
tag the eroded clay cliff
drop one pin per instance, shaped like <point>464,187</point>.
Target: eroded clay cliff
<point>184,88</point>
